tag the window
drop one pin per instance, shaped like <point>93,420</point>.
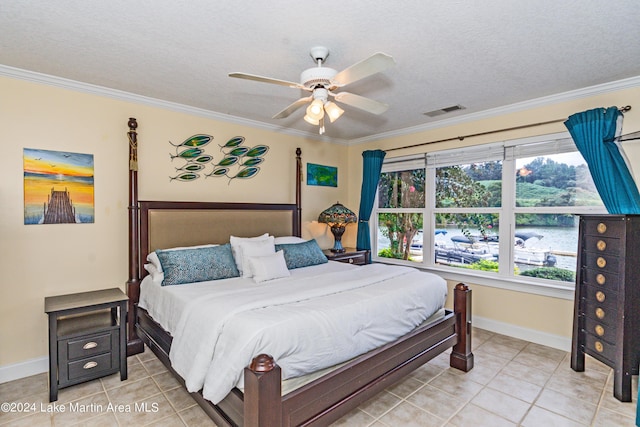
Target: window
<point>507,210</point>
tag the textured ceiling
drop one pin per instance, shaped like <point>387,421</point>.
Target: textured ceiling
<point>480,54</point>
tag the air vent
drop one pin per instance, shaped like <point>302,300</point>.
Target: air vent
<point>445,110</point>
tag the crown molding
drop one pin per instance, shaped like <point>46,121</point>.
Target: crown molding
<point>35,77</point>
<point>629,83</point>
<point>61,82</point>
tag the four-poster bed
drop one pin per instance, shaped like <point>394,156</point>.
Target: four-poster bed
<point>165,224</point>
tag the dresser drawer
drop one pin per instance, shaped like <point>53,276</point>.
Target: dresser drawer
<point>601,261</point>
<point>600,330</point>
<point>600,348</point>
<point>600,279</point>
<point>605,312</point>
<point>603,245</point>
<point>91,367</point>
<point>606,227</point>
<point>600,296</point>
<point>88,345</point>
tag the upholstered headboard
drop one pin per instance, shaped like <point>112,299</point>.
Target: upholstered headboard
<point>166,224</point>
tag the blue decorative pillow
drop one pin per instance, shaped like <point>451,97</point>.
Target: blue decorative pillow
<point>304,254</point>
<point>197,265</point>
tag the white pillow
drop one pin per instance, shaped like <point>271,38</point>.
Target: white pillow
<point>156,276</point>
<point>268,267</point>
<point>235,247</point>
<point>153,259</point>
<point>285,240</point>
<point>253,248</point>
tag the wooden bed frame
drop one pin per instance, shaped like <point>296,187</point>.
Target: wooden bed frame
<point>323,400</point>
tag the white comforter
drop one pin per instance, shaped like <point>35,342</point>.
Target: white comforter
<point>306,322</point>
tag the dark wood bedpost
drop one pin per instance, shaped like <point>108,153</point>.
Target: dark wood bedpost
<point>134,343</point>
<point>262,393</point>
<point>461,355</point>
<point>298,226</point>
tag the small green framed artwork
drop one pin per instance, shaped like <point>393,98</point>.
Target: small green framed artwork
<point>58,187</point>
<point>325,176</point>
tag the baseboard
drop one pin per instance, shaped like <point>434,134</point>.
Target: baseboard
<point>24,369</point>
<point>531,335</point>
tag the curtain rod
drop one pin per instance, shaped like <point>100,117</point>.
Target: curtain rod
<point>460,138</point>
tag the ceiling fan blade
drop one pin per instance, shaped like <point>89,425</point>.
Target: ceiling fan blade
<point>361,102</point>
<point>293,107</point>
<point>374,64</point>
<point>267,80</point>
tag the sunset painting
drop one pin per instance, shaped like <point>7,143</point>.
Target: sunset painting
<point>58,187</point>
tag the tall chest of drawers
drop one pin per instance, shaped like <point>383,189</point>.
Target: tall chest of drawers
<point>606,322</point>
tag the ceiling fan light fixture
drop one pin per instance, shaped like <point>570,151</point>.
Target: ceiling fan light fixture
<point>311,120</point>
<point>323,81</point>
<point>333,111</point>
<point>315,110</point>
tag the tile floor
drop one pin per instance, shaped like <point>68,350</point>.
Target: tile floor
<point>514,383</point>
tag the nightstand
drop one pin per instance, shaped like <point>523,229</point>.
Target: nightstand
<point>87,337</point>
<point>349,256</point>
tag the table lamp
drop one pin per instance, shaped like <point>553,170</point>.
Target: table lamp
<point>337,216</point>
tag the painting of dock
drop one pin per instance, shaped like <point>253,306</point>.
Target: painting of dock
<point>58,187</point>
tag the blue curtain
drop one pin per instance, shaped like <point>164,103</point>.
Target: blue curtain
<point>371,167</point>
<point>594,133</point>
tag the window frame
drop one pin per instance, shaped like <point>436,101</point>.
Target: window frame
<point>508,152</point>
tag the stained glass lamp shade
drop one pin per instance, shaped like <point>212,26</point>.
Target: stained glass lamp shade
<point>337,217</point>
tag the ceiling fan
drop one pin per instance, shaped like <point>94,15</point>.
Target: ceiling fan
<point>323,82</point>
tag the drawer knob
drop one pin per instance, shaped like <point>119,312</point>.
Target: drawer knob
<point>90,345</point>
<point>602,228</point>
<point>599,330</point>
<point>599,347</point>
<point>601,245</point>
<point>350,260</point>
<point>600,279</point>
<point>599,313</point>
<point>90,365</point>
<point>600,296</point>
<point>601,262</point>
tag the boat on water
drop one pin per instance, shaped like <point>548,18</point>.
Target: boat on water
<point>463,249</point>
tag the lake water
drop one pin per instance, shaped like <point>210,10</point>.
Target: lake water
<point>562,240</point>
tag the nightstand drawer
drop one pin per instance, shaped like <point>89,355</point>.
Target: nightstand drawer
<point>357,259</point>
<point>349,256</point>
<point>88,345</point>
<point>91,367</point>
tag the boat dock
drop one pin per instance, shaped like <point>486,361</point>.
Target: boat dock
<point>59,209</point>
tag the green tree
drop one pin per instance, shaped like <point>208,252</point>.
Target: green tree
<point>402,189</point>
<point>456,188</point>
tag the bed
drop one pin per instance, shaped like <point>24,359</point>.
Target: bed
<point>261,397</point>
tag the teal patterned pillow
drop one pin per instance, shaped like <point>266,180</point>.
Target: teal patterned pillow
<point>302,254</point>
<point>197,265</point>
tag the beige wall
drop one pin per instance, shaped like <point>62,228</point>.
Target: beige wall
<point>546,315</point>
<point>42,260</point>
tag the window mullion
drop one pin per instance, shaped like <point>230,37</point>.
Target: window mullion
<point>507,216</point>
<point>428,255</point>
